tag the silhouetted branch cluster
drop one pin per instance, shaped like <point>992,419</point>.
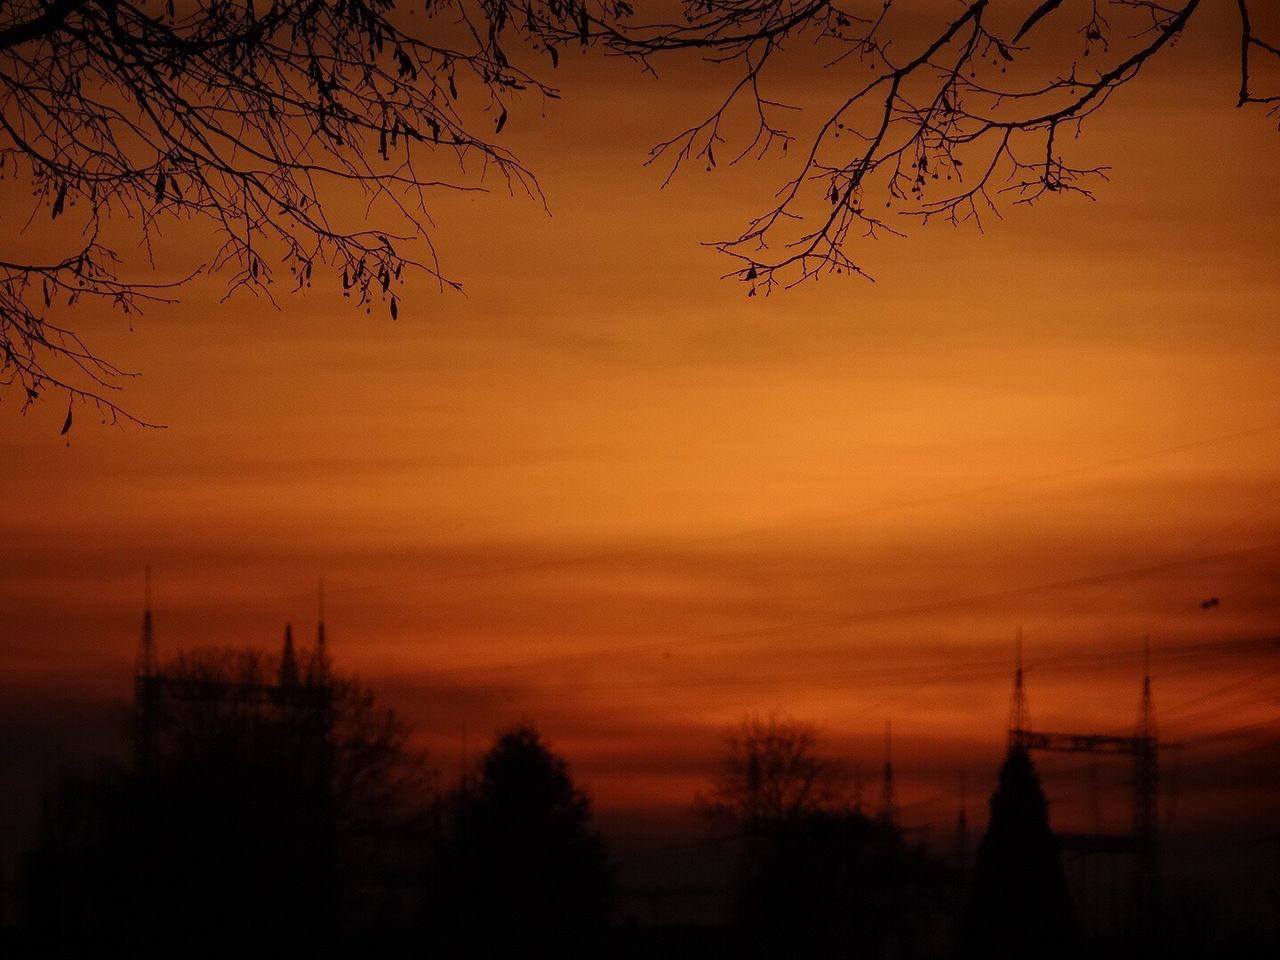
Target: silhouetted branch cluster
<point>771,772</point>
<point>253,122</point>
<point>303,138</point>
<point>1254,46</point>
<point>935,111</point>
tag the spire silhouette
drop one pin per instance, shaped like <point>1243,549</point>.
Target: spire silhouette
<point>288,660</point>
<point>318,669</point>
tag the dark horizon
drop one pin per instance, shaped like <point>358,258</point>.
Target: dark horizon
<point>672,873</point>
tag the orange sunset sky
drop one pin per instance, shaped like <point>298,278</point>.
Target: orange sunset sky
<point>604,491</point>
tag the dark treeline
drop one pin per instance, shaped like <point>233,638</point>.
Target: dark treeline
<point>266,806</point>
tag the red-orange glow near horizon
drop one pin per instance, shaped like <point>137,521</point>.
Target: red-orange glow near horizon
<point>606,492</point>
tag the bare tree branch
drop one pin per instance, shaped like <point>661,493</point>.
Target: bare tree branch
<point>247,122</point>
<point>253,122</point>
<point>948,111</point>
<point>772,772</point>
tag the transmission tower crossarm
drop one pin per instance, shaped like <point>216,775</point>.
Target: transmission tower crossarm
<point>1083,742</point>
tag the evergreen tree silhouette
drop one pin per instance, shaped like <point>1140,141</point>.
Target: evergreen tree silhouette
<point>1020,905</point>
<point>522,871</point>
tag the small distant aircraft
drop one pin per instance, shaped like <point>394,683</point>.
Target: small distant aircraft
<point>1211,602</point>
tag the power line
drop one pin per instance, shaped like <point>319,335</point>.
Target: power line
<point>623,553</point>
<point>888,613</point>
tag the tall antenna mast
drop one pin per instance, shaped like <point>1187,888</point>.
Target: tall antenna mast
<point>1146,786</point>
<point>147,647</point>
<point>889,800</point>
<point>464,762</point>
<point>1019,716</point>
<point>145,687</point>
<point>320,642</point>
<point>1146,712</point>
<point>962,829</point>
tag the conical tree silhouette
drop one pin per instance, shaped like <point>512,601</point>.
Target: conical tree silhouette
<point>1019,905</point>
<point>523,870</point>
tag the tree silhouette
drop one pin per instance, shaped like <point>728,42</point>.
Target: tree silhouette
<point>254,815</point>
<point>1019,905</point>
<point>771,772</point>
<point>521,870</point>
<point>815,876</point>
